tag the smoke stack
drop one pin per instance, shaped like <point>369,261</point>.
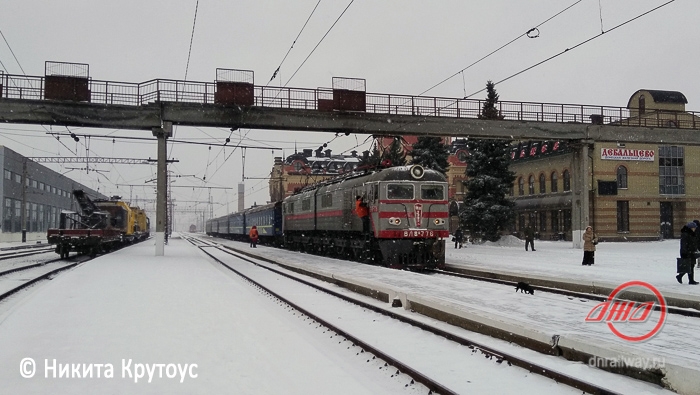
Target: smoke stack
<point>241,197</point>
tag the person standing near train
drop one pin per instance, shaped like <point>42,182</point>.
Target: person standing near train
<point>362,211</point>
<point>253,237</point>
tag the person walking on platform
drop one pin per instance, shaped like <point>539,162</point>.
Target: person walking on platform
<point>458,238</point>
<point>590,239</point>
<point>688,248</point>
<point>362,211</point>
<point>253,237</point>
<point>530,237</point>
<point>697,239</point>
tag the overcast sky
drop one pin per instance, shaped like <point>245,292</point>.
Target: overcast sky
<point>402,47</point>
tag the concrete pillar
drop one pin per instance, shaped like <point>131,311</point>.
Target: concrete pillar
<point>161,195</point>
<point>580,187</point>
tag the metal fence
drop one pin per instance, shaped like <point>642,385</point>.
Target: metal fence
<point>162,90</point>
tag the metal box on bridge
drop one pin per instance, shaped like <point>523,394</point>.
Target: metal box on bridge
<point>234,87</point>
<point>67,81</point>
<point>349,94</point>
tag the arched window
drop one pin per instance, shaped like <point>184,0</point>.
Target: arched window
<point>555,182</point>
<point>531,185</point>
<point>642,105</point>
<point>622,177</point>
<point>521,186</point>
<point>567,181</point>
<point>543,183</point>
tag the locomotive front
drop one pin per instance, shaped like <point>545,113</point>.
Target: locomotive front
<point>410,217</point>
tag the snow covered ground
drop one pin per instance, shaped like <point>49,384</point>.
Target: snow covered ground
<point>182,310</point>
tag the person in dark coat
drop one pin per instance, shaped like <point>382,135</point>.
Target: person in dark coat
<point>688,247</point>
<point>458,238</point>
<point>530,237</point>
<point>697,238</point>
<point>590,239</point>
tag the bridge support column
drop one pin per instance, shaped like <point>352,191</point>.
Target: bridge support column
<point>161,195</point>
<point>581,187</point>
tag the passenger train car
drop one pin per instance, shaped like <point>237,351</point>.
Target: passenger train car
<point>408,217</point>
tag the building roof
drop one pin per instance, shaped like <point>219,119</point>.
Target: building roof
<point>662,96</point>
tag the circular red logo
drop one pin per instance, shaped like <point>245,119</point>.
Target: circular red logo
<point>662,306</point>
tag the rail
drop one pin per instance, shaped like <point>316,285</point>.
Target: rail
<point>166,90</point>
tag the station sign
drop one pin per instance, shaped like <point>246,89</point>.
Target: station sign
<point>641,155</point>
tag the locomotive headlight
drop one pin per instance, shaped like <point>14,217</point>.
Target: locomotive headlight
<point>394,221</point>
<point>417,171</point>
<point>439,221</point>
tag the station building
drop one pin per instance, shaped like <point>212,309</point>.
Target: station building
<point>41,191</point>
<point>636,191</point>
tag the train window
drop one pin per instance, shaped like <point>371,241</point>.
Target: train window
<point>375,192</point>
<point>291,208</point>
<point>399,191</point>
<point>327,200</point>
<point>306,205</point>
<point>432,192</point>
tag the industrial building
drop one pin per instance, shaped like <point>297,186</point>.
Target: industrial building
<point>42,192</point>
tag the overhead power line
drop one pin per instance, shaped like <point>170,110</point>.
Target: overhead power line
<point>194,23</point>
<point>293,42</point>
<point>13,54</point>
<point>575,46</point>
<point>96,159</point>
<point>526,34</point>
<point>319,42</point>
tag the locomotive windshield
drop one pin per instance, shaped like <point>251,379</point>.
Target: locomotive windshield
<point>399,191</point>
<point>432,192</point>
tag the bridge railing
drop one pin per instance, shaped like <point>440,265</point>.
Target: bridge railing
<point>165,90</point>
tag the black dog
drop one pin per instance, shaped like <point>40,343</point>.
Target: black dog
<point>525,287</point>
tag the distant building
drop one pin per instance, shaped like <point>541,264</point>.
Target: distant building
<point>306,168</point>
<point>42,191</point>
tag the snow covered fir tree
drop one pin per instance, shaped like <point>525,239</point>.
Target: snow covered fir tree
<point>487,209</point>
<point>431,153</point>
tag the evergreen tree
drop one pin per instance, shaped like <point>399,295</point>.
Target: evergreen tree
<point>373,159</point>
<point>487,211</point>
<point>431,153</point>
<point>489,110</point>
<point>395,153</point>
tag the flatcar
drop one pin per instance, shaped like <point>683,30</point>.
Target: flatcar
<point>408,217</point>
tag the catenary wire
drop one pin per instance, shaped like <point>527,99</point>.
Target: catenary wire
<point>293,42</point>
<point>575,46</point>
<point>319,43</point>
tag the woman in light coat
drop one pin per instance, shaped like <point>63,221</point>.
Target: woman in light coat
<point>590,239</point>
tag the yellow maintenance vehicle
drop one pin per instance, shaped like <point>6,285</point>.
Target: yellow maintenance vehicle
<point>142,227</point>
<point>121,217</point>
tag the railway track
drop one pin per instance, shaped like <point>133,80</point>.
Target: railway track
<point>423,378</point>
<point>45,270</point>
<point>559,291</point>
<point>19,253</point>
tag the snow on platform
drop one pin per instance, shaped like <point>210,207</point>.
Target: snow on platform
<point>200,330</point>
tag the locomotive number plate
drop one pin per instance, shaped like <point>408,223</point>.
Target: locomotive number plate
<point>419,233</point>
